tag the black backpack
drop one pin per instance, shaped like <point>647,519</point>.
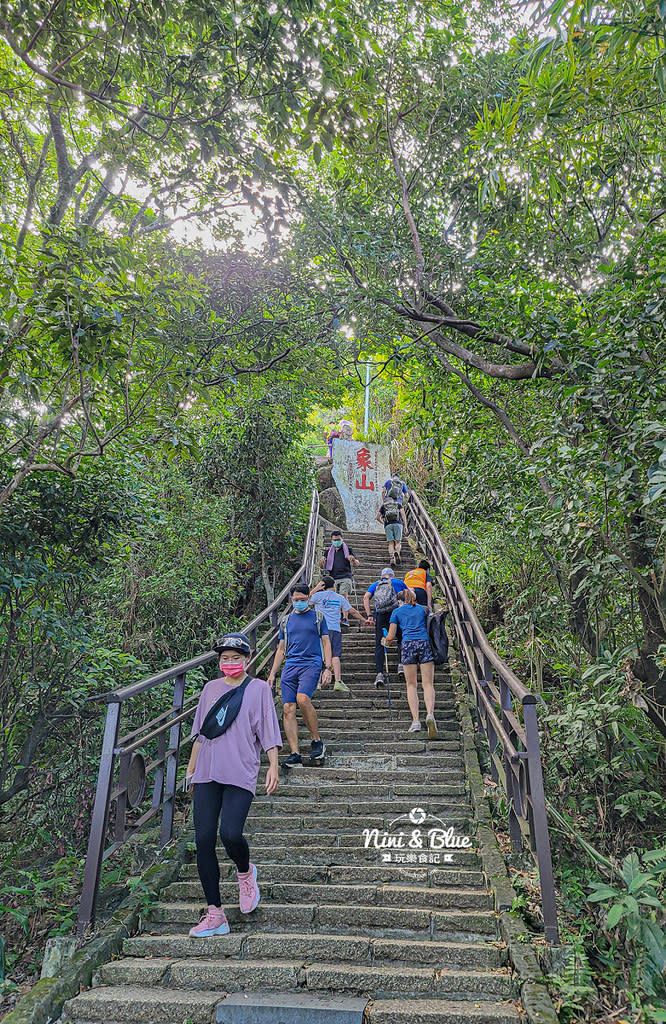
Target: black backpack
<point>391,512</point>
<point>439,640</point>
<point>384,596</point>
<point>224,711</point>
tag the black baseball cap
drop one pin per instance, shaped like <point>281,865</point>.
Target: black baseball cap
<point>233,642</point>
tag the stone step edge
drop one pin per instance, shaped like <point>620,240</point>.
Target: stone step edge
<point>198,1006</point>
<point>237,940</point>
<point>298,965</point>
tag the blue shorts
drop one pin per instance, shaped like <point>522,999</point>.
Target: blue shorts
<point>335,636</point>
<point>393,531</point>
<point>416,652</point>
<point>298,678</point>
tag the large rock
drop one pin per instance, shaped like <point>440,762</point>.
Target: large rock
<point>359,471</point>
<point>322,460</point>
<point>331,507</point>
<point>325,477</point>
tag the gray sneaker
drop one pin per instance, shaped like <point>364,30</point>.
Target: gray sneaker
<point>415,727</point>
<point>379,679</point>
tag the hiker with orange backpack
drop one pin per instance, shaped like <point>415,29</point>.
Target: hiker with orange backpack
<point>420,581</point>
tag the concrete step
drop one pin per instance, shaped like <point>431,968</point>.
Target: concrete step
<point>373,760</point>
<point>360,949</point>
<point>390,894</point>
<point>343,856</point>
<point>390,921</point>
<point>364,728</point>
<point>288,801</point>
<point>349,840</point>
<point>338,790</point>
<point>143,1005</point>
<point>440,1011</point>
<point>340,705</point>
<point>294,973</point>
<point>364,777</point>
<point>352,874</point>
<point>139,1004</point>
<point>295,823</point>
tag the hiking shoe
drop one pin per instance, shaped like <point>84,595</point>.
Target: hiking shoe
<point>214,922</point>
<point>431,725</point>
<point>415,727</point>
<point>401,669</point>
<point>379,679</point>
<point>248,890</point>
<point>317,750</point>
<point>398,559</point>
<point>292,761</point>
<point>344,624</point>
<point>339,685</point>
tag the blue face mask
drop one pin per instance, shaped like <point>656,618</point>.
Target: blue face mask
<point>300,606</point>
<point>337,543</point>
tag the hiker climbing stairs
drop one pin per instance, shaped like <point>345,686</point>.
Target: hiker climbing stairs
<point>345,930</point>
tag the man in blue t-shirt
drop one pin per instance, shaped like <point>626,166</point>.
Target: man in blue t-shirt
<point>333,605</point>
<point>395,484</point>
<point>304,639</point>
<point>384,592</point>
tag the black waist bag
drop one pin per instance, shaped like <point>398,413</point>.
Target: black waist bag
<point>223,712</point>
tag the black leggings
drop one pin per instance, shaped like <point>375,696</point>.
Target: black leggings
<point>230,805</point>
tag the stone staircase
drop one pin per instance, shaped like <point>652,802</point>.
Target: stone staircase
<point>411,934</point>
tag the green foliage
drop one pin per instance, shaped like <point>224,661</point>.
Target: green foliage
<point>574,985</point>
<point>635,910</point>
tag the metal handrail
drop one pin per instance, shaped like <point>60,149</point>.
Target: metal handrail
<point>515,755</point>
<point>120,757</point>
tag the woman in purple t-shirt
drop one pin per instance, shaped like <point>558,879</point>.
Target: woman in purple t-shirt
<point>224,774</point>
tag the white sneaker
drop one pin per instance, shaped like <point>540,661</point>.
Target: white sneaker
<point>401,669</point>
<point>431,725</point>
<point>415,727</point>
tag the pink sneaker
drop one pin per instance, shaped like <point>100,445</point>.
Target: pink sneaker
<point>213,923</point>
<point>248,890</point>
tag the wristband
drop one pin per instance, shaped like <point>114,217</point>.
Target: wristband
<point>327,668</point>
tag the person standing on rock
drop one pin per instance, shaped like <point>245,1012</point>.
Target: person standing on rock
<point>333,605</point>
<point>303,639</point>
<point>412,619</point>
<point>385,595</point>
<point>339,562</point>
<point>392,516</point>
<point>234,719</point>
<point>331,434</point>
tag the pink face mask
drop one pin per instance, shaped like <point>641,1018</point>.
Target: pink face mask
<point>233,668</point>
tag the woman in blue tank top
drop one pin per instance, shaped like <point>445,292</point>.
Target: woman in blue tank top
<point>415,650</point>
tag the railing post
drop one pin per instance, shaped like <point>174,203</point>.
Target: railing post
<point>100,816</point>
<point>542,840</point>
<point>274,628</point>
<point>513,792</point>
<point>171,773</point>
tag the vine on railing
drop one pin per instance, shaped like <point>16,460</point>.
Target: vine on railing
<point>127,761</point>
<point>500,699</point>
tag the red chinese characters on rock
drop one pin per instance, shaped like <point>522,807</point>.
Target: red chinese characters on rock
<point>363,464</point>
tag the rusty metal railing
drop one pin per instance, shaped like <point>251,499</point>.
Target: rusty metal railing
<point>128,759</point>
<point>506,714</point>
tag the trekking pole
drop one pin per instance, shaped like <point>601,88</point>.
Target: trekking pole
<point>388,679</point>
<point>355,593</point>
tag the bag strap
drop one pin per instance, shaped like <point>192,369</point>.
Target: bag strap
<point>226,697</point>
